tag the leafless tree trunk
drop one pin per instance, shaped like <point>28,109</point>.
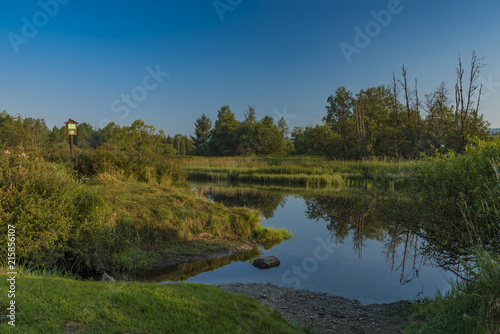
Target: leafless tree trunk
<point>463,104</point>
<point>417,114</point>
<point>359,110</point>
<point>404,84</point>
<point>396,110</point>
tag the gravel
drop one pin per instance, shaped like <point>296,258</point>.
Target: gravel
<point>325,313</point>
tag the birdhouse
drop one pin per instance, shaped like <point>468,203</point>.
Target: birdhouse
<point>71,127</point>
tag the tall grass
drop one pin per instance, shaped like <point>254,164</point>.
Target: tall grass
<point>472,306</point>
<point>106,224</point>
<point>294,170</point>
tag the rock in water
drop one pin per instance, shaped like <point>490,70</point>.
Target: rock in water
<point>107,278</point>
<point>266,262</point>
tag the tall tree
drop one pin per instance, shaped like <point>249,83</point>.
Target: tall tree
<point>338,113</point>
<point>250,117</point>
<point>224,136</point>
<point>283,127</point>
<point>203,125</point>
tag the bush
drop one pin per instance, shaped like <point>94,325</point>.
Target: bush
<point>47,206</point>
<point>456,195</point>
<point>136,165</point>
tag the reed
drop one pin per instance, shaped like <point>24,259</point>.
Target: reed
<point>295,170</point>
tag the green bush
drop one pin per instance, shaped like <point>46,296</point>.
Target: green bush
<point>46,205</point>
<point>456,195</point>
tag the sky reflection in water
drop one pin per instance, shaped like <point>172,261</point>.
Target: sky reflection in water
<point>340,247</point>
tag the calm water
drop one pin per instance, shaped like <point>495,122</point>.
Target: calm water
<point>341,246</point>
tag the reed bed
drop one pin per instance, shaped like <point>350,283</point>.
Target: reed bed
<point>295,170</point>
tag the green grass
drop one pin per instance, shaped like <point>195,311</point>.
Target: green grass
<point>56,305</point>
<point>106,223</point>
<point>470,307</point>
<point>294,170</point>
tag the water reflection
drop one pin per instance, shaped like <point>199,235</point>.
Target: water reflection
<point>184,271</point>
<point>382,258</point>
<point>265,201</point>
<point>360,218</point>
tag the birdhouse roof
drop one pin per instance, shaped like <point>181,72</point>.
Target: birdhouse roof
<point>70,121</point>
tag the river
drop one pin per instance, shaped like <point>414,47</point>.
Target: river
<point>342,246</point>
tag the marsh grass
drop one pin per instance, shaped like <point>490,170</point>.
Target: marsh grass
<point>294,170</point>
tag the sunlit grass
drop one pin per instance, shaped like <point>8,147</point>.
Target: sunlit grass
<point>56,305</point>
<point>294,170</point>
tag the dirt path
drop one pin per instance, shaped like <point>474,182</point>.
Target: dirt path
<point>325,313</point>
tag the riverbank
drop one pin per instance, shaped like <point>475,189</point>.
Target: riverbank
<point>58,305</point>
<point>325,313</point>
<point>110,222</point>
<point>62,305</point>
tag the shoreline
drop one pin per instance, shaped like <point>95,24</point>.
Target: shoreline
<point>318,311</point>
<point>323,312</point>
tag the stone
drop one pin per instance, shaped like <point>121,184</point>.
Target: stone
<point>107,278</point>
<point>266,262</point>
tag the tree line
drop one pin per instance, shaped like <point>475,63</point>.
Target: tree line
<point>393,121</point>
<point>34,136</point>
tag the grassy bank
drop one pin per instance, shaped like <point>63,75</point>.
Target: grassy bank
<point>57,305</point>
<point>109,221</point>
<point>472,306</point>
<point>293,170</point>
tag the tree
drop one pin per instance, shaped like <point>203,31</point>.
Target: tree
<point>439,121</point>
<point>250,117</point>
<point>283,127</point>
<point>470,123</point>
<point>203,125</point>
<point>87,137</point>
<point>338,113</point>
<point>317,140</point>
<point>268,138</point>
<point>224,136</point>
<point>339,109</point>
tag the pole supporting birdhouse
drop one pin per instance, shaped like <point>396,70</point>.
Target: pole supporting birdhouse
<point>71,127</point>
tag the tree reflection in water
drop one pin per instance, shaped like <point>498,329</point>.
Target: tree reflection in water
<point>354,214</point>
<point>360,218</point>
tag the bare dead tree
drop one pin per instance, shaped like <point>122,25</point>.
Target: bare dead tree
<point>359,111</point>
<point>404,84</point>
<point>465,101</point>
<point>395,109</point>
<point>417,113</point>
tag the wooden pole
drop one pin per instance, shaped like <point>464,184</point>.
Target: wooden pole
<point>71,144</point>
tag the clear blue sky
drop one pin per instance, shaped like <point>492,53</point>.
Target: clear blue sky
<point>275,55</point>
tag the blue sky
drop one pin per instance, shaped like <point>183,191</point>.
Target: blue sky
<point>93,60</point>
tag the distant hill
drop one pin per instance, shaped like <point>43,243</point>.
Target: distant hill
<point>493,131</point>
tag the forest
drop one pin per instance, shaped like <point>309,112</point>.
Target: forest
<point>392,121</point>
